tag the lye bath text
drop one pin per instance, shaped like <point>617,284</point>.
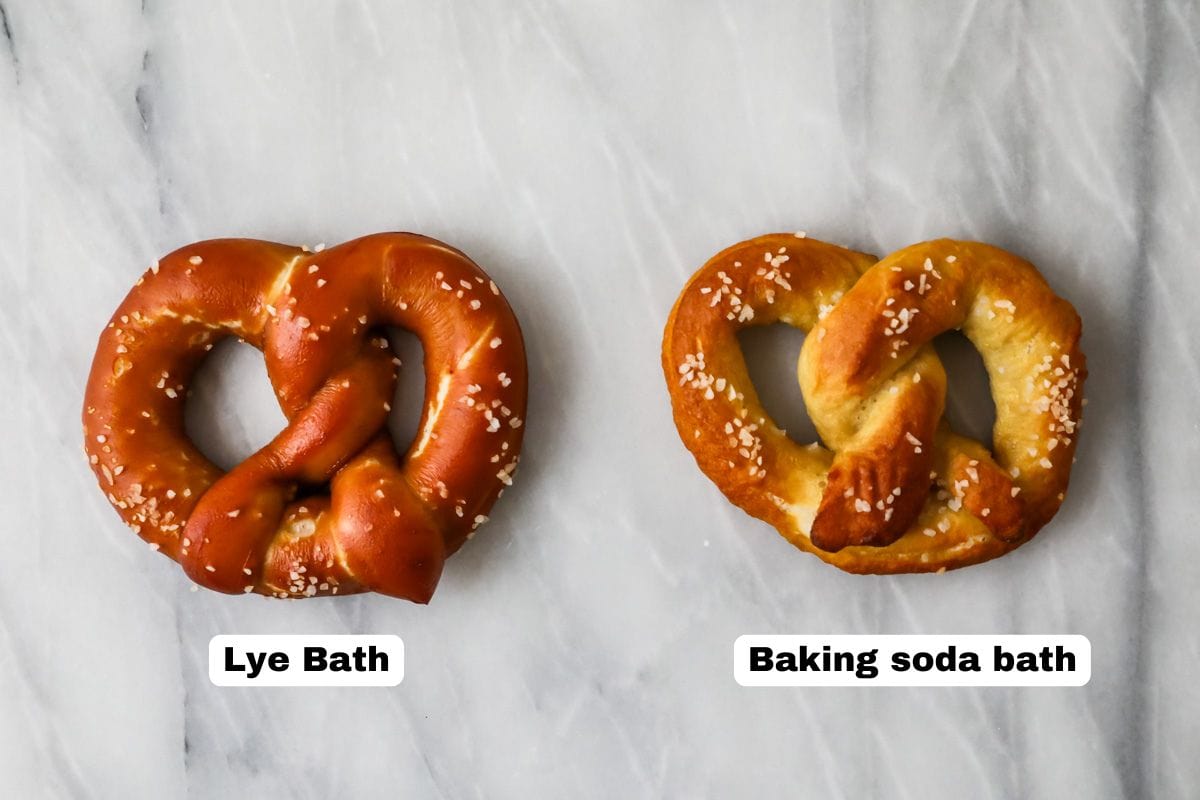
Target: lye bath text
<point>316,659</point>
<point>291,660</point>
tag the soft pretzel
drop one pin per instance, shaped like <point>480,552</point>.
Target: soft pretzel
<point>270,525</point>
<point>900,491</point>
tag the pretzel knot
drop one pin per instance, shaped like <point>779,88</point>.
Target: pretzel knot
<point>899,491</point>
<point>385,523</point>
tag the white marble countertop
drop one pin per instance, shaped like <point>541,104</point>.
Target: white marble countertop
<point>590,156</point>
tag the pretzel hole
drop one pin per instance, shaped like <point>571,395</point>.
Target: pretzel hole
<point>970,409</point>
<point>231,410</point>
<point>408,400</point>
<point>772,353</point>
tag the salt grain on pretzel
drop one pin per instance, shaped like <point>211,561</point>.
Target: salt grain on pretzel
<point>384,523</point>
<point>900,491</point>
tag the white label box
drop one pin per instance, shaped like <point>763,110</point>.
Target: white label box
<point>912,660</point>
<point>301,660</point>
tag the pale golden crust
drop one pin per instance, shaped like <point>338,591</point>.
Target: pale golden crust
<point>900,492</point>
<point>387,523</point>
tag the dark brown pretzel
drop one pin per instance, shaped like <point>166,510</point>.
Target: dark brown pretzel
<point>386,524</point>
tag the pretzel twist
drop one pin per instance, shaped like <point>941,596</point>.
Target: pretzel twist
<point>900,491</point>
<point>386,524</point>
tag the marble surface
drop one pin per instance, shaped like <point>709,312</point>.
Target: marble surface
<point>591,156</point>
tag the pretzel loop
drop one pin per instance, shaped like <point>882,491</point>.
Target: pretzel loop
<point>1035,367</point>
<point>387,524</point>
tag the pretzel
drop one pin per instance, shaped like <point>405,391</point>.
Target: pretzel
<point>899,491</point>
<point>269,526</point>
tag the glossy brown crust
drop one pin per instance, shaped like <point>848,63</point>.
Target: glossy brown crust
<point>900,491</point>
<point>328,506</point>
